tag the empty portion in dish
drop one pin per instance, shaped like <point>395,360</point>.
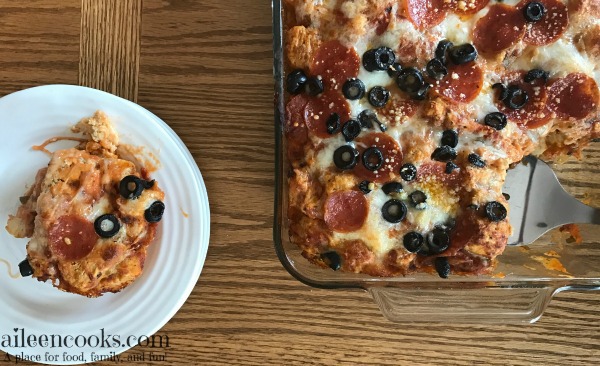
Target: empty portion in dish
<point>402,118</point>
<point>90,214</point>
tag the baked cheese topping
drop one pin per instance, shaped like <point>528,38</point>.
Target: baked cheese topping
<point>90,215</point>
<point>402,118</point>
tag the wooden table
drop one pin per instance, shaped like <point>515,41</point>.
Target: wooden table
<point>205,67</point>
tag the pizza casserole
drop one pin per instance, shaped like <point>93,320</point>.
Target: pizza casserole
<point>402,118</point>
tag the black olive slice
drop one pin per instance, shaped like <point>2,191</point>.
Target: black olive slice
<point>506,196</point>
<point>295,81</point>
<point>131,187</point>
<point>408,172</point>
<point>368,60</point>
<point>345,157</point>
<point>496,120</point>
<point>351,130</point>
<point>107,226</point>
<point>332,259</point>
<point>444,154</point>
<point>422,93</point>
<point>392,187</point>
<point>155,212</point>
<point>438,240</point>
<point>372,158</point>
<point>516,97</point>
<point>463,54</point>
<point>436,69</point>
<point>495,211</point>
<point>353,89</point>
<point>394,211</point>
<point>413,241</point>
<point>314,86</point>
<point>450,138</point>
<point>364,186</point>
<point>442,48</point>
<point>24,199</point>
<point>418,199</point>
<point>385,57</point>
<point>25,268</point>
<point>148,183</point>
<point>333,123</point>
<point>442,267</point>
<point>534,11</point>
<point>394,70</point>
<point>476,160</point>
<point>378,96</point>
<point>503,90</point>
<point>450,167</point>
<point>378,59</point>
<point>367,118</point>
<point>535,74</point>
<point>410,80</point>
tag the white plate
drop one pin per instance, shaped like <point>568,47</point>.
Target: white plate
<point>174,261</point>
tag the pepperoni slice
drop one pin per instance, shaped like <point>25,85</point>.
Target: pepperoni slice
<point>462,84</point>
<point>396,109</point>
<point>437,171</point>
<point>425,13</point>
<point>295,128</point>
<point>346,211</point>
<point>534,113</point>
<point>467,7</point>
<point>392,157</point>
<point>72,237</point>
<point>552,25</point>
<point>543,117</point>
<point>574,96</point>
<point>320,108</point>
<point>335,63</point>
<point>382,22</point>
<point>502,27</point>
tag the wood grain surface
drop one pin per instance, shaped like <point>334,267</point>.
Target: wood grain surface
<point>205,67</point>
<point>109,56</point>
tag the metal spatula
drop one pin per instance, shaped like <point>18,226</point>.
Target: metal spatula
<point>538,202</point>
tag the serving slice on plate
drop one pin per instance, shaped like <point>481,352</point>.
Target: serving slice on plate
<point>174,259</point>
<point>91,214</point>
<point>402,118</point>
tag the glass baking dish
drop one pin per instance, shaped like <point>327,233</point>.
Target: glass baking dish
<point>519,289</point>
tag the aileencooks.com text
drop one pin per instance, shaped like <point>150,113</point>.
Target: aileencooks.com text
<point>22,339</point>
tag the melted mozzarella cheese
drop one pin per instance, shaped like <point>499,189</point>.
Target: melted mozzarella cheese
<point>398,30</point>
<point>511,2</point>
<point>376,232</point>
<point>324,157</point>
<point>457,30</point>
<point>98,208</point>
<point>484,102</point>
<point>559,58</point>
<point>417,125</point>
<point>441,205</point>
<point>382,236</point>
<point>371,79</point>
